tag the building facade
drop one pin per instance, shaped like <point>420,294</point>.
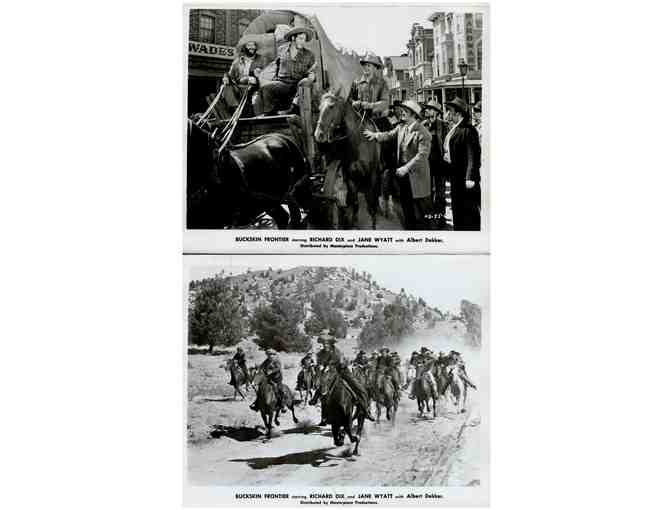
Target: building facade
<point>421,51</point>
<point>213,36</point>
<point>397,73</point>
<point>458,37</point>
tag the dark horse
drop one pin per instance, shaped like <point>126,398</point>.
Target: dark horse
<point>340,410</point>
<point>268,404</point>
<point>386,397</point>
<point>339,138</point>
<point>238,379</point>
<point>306,383</point>
<point>423,391</point>
<point>237,184</point>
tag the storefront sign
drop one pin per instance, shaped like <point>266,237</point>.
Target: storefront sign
<point>211,50</point>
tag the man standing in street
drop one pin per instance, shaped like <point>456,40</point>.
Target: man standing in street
<point>413,147</point>
<point>435,125</point>
<point>462,153</point>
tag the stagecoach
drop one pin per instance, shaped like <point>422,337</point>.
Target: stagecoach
<point>335,70</point>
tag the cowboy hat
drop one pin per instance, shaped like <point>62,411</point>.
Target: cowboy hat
<point>434,104</point>
<point>412,106</point>
<point>371,58</point>
<point>299,30</point>
<point>247,39</point>
<point>459,104</point>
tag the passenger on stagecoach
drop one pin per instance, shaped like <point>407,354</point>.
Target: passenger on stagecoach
<point>244,72</point>
<point>337,361</point>
<point>413,143</point>
<point>272,369</point>
<point>294,67</point>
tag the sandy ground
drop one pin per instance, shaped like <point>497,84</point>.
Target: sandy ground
<point>414,451</point>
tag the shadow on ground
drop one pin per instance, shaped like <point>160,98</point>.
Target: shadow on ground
<point>237,433</point>
<point>315,458</point>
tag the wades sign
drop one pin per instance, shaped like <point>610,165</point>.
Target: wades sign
<point>211,50</point>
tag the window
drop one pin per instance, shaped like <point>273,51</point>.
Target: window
<point>480,54</point>
<point>479,21</point>
<point>206,28</point>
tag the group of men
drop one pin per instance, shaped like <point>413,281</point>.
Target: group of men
<point>382,362</point>
<point>424,145</point>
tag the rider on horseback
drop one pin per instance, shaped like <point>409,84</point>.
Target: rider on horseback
<point>454,358</point>
<point>272,369</point>
<point>307,364</point>
<point>239,358</point>
<point>386,368</point>
<point>426,361</point>
<point>335,359</point>
<point>361,359</point>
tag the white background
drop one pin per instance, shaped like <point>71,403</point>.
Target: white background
<point>91,265</point>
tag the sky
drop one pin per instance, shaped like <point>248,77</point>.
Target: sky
<point>441,280</point>
<point>384,30</point>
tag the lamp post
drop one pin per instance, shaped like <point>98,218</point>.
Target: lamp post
<point>464,67</point>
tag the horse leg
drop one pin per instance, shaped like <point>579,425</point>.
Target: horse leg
<point>354,438</point>
<point>267,423</point>
<point>377,412</point>
<point>464,400</point>
<point>335,432</point>
<point>434,406</point>
<point>277,414</point>
<point>291,408</point>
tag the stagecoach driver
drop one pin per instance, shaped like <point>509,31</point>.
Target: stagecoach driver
<point>294,67</point>
<point>272,369</point>
<point>244,72</point>
<point>337,360</point>
<point>414,143</point>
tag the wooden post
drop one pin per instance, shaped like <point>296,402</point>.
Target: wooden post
<point>306,109</point>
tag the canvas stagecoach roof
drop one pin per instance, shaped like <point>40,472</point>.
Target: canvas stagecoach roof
<point>341,66</point>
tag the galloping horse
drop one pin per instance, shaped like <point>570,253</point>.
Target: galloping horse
<point>458,387</point>
<point>340,410</point>
<point>339,138</point>
<point>422,388</point>
<point>306,383</point>
<point>441,378</point>
<point>232,186</point>
<point>238,379</point>
<point>386,397</point>
<point>268,404</point>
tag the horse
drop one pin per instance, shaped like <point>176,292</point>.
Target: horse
<point>458,387</point>
<point>238,379</point>
<point>268,404</point>
<point>386,397</point>
<point>423,391</point>
<point>235,185</point>
<point>338,135</point>
<point>441,378</point>
<point>340,410</point>
<point>410,375</point>
<point>306,383</point>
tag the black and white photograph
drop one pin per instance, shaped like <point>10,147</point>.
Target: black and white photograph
<point>337,117</point>
<point>332,371</point>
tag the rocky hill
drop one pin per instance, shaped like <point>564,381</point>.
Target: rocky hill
<point>351,304</point>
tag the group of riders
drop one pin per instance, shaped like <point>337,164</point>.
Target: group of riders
<point>363,375</point>
<point>424,145</point>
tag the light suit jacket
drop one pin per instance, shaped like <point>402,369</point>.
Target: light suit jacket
<point>413,146</point>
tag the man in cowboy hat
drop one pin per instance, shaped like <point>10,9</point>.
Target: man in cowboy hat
<point>239,358</point>
<point>272,369</point>
<point>294,67</point>
<point>462,153</point>
<point>307,364</point>
<point>244,72</point>
<point>477,120</point>
<point>413,143</point>
<point>436,127</point>
<point>426,362</point>
<point>371,93</point>
<point>360,359</point>
<point>454,358</point>
<point>337,361</point>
